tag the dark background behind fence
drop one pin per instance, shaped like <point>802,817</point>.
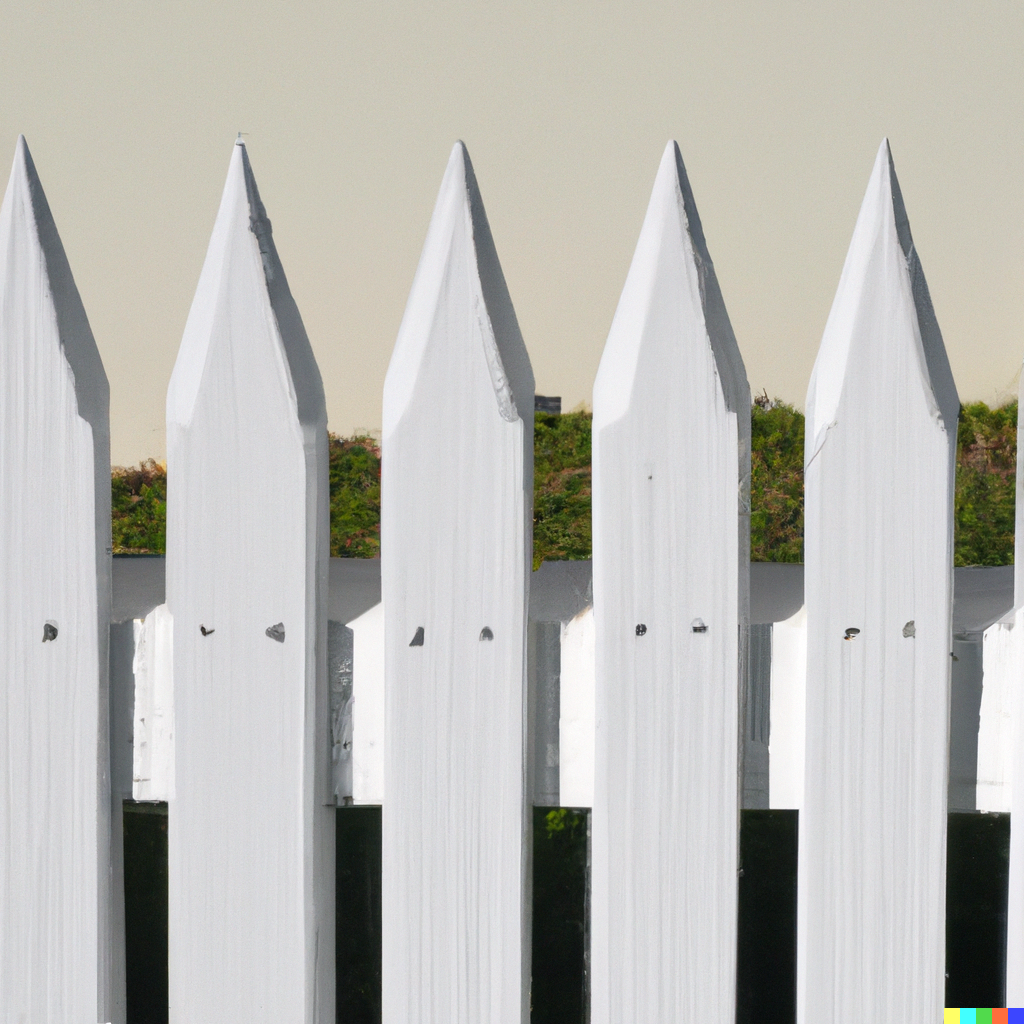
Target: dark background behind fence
<point>977,876</point>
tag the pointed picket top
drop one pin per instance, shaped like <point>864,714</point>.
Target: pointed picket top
<point>671,599</point>
<point>242,262</point>
<point>459,248</point>
<point>882,301</point>
<point>250,937</point>
<point>671,250</point>
<point>58,928</point>
<point>456,504</point>
<point>881,439</point>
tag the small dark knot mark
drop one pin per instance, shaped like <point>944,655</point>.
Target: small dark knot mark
<point>910,629</point>
<point>697,626</point>
<point>851,632</point>
<point>49,631</point>
<point>641,628</point>
<point>486,634</point>
<point>276,632</point>
<point>417,640</point>
<point>205,631</point>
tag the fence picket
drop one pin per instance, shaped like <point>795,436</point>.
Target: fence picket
<point>251,832</point>
<point>881,441</point>
<point>455,559</point>
<point>58,924</point>
<point>1015,655</point>
<point>671,604</point>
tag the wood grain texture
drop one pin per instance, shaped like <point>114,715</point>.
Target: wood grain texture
<point>455,559</point>
<point>251,835</point>
<point>881,440</point>
<point>57,918</point>
<point>671,598</point>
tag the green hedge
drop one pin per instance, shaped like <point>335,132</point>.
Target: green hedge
<point>985,489</point>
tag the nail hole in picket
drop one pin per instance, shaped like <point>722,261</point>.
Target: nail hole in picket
<point>486,634</point>
<point>49,630</point>
<point>640,629</point>
<point>417,640</point>
<point>851,632</point>
<point>698,626</point>
<point>910,629</point>
<point>276,632</point>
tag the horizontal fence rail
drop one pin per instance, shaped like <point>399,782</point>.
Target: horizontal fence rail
<point>255,685</point>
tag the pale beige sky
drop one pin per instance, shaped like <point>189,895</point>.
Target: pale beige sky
<point>130,108</point>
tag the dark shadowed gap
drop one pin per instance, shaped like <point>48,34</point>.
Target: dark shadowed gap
<point>766,939</point>
<point>358,916</point>
<point>976,893</point>
<point>977,880</point>
<point>560,856</point>
<point>145,912</point>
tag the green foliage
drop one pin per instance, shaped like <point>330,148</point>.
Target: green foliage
<point>355,497</point>
<point>985,489</point>
<point>776,482</point>
<point>561,486</point>
<point>986,474</point>
<point>138,508</point>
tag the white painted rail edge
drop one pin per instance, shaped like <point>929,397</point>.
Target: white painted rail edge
<point>58,925</point>
<point>251,835</point>
<point>881,440</point>
<point>671,577</point>
<point>455,543</point>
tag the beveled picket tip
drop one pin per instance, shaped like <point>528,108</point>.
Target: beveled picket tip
<point>671,608</point>
<point>459,241</point>
<point>61,939</point>
<point>882,266</point>
<point>882,414</point>
<point>247,549</point>
<point>241,214</point>
<point>456,490</point>
<point>671,249</point>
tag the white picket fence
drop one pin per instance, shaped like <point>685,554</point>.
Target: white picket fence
<point>263,684</point>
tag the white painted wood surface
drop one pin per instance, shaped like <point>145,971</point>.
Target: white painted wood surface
<point>455,560</point>
<point>153,718</point>
<point>57,919</point>
<point>1015,901</point>
<point>671,577</point>
<point>788,708</point>
<point>251,835</point>
<point>1003,667</point>
<point>368,711</point>
<point>576,730</point>
<point>881,439</point>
